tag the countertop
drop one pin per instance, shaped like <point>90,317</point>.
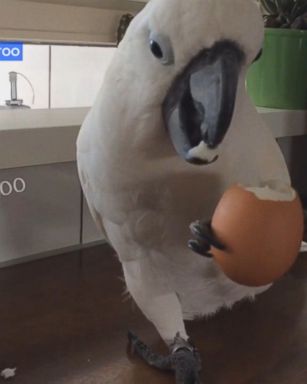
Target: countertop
<point>46,136</point>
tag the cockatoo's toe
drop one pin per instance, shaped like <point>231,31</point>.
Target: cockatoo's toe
<point>204,238</point>
<point>186,362</point>
<point>200,247</point>
<point>184,359</point>
<point>136,346</point>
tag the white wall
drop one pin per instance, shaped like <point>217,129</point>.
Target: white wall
<point>29,21</point>
<point>77,74</point>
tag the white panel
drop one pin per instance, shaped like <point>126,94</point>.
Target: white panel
<point>283,122</point>
<point>77,74</point>
<point>46,216</point>
<point>35,66</point>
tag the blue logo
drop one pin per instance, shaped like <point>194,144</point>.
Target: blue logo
<point>11,51</point>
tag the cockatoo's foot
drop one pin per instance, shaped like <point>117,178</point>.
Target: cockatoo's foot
<point>184,359</point>
<point>205,239</point>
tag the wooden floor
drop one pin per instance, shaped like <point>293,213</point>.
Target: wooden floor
<point>63,321</point>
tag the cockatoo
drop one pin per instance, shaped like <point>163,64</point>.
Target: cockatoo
<point>171,129</point>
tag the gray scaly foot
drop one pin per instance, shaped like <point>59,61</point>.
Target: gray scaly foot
<point>183,360</point>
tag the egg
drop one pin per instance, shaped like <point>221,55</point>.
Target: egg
<point>262,236</point>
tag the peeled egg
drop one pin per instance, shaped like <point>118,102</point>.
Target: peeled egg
<point>262,236</point>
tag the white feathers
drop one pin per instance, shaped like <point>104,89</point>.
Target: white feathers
<point>146,196</point>
<point>8,373</point>
<point>304,247</point>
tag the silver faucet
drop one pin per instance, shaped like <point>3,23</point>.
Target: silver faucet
<point>14,102</point>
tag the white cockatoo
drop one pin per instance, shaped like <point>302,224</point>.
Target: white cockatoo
<point>172,128</point>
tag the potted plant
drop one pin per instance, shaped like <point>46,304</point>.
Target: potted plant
<point>123,25</point>
<point>279,78</point>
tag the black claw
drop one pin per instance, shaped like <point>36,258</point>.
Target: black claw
<point>132,337</point>
<point>196,229</point>
<point>204,231</point>
<point>132,342</point>
<point>200,249</point>
<point>204,234</point>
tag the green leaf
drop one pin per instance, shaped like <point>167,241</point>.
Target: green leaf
<point>299,9</point>
<point>269,6</point>
<point>271,22</point>
<point>286,5</point>
<point>294,11</point>
<point>302,7</point>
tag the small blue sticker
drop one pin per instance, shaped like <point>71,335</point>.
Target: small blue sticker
<point>11,51</point>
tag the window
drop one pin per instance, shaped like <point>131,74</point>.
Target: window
<point>77,74</point>
<point>35,66</point>
<point>55,76</point>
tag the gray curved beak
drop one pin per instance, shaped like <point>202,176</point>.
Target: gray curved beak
<point>199,106</point>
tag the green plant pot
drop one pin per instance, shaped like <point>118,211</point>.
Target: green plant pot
<point>279,78</point>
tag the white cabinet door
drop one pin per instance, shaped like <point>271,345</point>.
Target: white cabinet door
<point>39,210</point>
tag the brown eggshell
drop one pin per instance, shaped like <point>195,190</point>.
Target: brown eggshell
<point>262,237</point>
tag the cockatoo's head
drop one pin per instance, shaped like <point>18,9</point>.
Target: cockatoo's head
<point>185,58</point>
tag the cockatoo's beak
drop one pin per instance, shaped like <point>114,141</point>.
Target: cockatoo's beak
<point>199,106</point>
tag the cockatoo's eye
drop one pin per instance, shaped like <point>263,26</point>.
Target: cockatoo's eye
<point>161,48</point>
<point>156,49</point>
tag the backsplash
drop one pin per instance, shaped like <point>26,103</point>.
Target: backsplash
<point>61,76</point>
